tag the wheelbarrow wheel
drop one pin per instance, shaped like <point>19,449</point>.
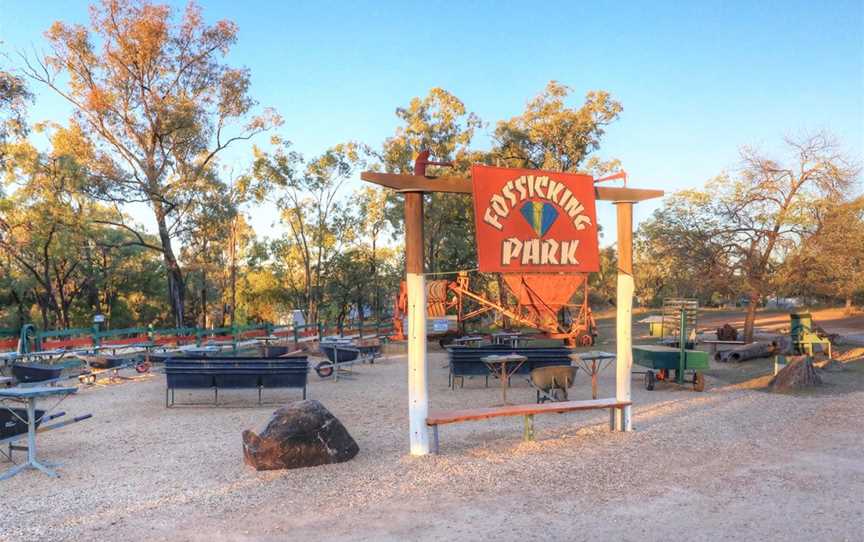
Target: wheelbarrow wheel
<point>698,381</point>
<point>143,367</point>
<point>586,340</point>
<point>324,369</point>
<point>649,380</point>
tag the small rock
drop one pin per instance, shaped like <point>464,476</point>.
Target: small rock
<point>301,434</point>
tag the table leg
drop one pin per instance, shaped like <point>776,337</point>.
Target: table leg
<point>594,393</point>
<point>31,462</point>
<point>505,380</point>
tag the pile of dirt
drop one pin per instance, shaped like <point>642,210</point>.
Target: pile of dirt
<point>799,374</point>
<point>855,354</point>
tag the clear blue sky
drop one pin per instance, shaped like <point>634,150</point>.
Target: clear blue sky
<point>696,79</point>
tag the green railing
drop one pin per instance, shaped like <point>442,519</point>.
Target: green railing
<point>95,337</point>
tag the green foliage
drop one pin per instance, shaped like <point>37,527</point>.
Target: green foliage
<point>154,105</point>
<point>59,265</point>
<point>552,136</point>
<point>830,262</point>
<point>741,229</point>
<point>14,97</point>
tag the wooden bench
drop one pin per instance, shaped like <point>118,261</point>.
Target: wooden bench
<point>527,411</point>
<point>714,345</point>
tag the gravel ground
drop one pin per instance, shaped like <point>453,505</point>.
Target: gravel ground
<point>730,463</point>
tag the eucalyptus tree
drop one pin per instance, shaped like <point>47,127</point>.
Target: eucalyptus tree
<point>549,134</point>
<point>751,220</point>
<point>308,195</point>
<point>156,104</point>
<point>14,97</point>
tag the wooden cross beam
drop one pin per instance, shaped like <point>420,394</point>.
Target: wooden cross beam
<point>459,185</point>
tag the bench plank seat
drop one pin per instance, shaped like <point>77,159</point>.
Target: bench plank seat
<point>528,411</point>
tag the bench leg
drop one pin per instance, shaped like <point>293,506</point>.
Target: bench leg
<point>166,397</point>
<point>259,395</point>
<point>612,419</point>
<point>304,393</point>
<point>435,439</point>
<point>528,435</point>
<point>216,396</point>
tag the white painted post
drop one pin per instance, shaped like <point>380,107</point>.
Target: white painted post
<point>624,314</point>
<point>418,371</point>
<point>418,389</point>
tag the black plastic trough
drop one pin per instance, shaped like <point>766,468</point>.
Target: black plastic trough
<point>35,372</point>
<point>468,360</point>
<point>246,372</point>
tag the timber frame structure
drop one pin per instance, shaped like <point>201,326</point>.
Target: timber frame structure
<point>413,187</point>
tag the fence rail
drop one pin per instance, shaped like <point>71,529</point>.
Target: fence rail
<point>94,337</point>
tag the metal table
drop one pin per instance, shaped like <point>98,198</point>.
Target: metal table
<point>471,340</point>
<point>504,367</point>
<point>29,397</point>
<point>592,363</point>
<point>509,338</point>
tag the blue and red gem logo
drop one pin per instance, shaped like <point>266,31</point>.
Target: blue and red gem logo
<point>539,215</point>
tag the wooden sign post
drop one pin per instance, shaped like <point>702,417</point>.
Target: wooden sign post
<point>418,369</point>
<point>413,186</point>
<point>624,314</point>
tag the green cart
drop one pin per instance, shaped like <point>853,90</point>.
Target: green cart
<point>673,362</point>
<point>662,361</point>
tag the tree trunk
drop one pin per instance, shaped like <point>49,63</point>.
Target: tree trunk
<point>233,271</point>
<point>750,319</point>
<point>204,285</point>
<point>203,298</point>
<point>745,352</point>
<point>176,287</point>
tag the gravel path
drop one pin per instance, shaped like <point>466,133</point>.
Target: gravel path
<point>730,463</point>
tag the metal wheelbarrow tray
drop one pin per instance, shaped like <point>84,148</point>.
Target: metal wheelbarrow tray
<point>36,372</point>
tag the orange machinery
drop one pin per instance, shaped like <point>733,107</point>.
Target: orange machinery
<point>539,300</point>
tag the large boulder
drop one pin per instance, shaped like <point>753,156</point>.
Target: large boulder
<point>301,434</point>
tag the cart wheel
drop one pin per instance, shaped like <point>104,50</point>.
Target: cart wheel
<point>586,340</point>
<point>324,369</point>
<point>698,381</point>
<point>143,367</point>
<point>649,380</point>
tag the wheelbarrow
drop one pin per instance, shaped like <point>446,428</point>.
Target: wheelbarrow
<point>550,380</point>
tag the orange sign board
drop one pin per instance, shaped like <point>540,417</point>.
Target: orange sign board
<point>529,220</point>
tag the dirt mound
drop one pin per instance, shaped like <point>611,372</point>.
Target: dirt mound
<point>856,354</point>
<point>798,375</point>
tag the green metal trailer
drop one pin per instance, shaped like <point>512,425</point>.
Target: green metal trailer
<point>667,362</point>
<point>661,361</point>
